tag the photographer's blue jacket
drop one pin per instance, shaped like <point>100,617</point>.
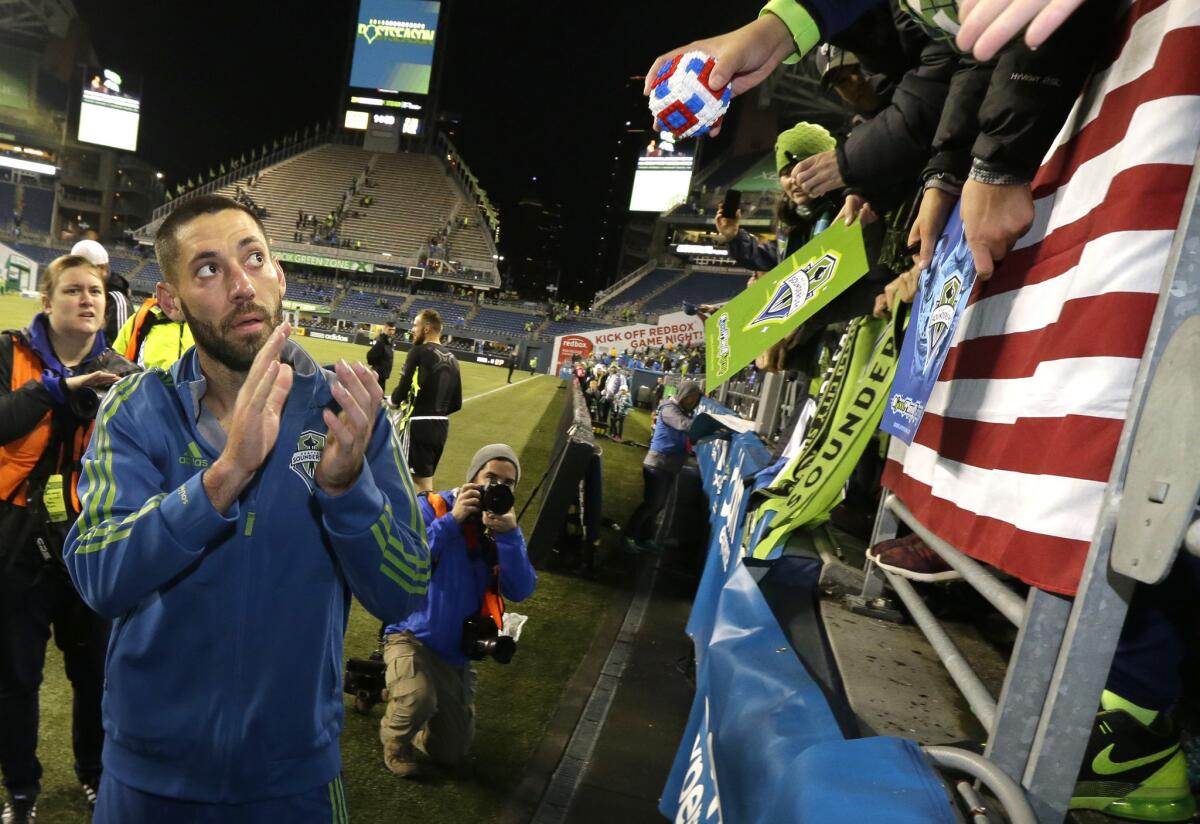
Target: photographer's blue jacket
<point>460,578</point>
<point>223,679</point>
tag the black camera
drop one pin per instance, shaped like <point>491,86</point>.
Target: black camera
<point>365,680</point>
<point>481,639</point>
<point>85,401</point>
<point>497,498</point>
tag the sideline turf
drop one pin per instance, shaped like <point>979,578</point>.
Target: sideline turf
<point>514,703</point>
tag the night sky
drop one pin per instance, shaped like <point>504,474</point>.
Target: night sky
<point>537,84</point>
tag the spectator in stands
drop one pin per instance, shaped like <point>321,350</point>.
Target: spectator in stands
<point>841,70</point>
<point>382,353</point>
<point>479,560</point>
<point>51,375</point>
<point>116,307</point>
<point>669,450</point>
<point>799,217</point>
<point>152,338</point>
<point>177,463</point>
<point>431,390</point>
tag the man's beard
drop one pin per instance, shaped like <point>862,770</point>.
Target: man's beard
<point>214,339</point>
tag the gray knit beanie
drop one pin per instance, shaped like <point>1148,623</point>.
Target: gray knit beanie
<point>492,452</point>
<point>687,389</point>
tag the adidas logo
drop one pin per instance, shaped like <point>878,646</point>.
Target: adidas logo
<point>193,456</point>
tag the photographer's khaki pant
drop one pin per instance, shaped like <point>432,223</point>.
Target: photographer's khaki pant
<point>431,704</point>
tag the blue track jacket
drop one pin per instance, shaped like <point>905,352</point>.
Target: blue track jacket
<point>223,678</point>
<point>460,580</point>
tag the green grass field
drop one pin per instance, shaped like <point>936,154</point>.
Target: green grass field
<point>514,703</point>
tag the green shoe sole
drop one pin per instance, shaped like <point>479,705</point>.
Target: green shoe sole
<point>1164,796</point>
<point>1140,809</point>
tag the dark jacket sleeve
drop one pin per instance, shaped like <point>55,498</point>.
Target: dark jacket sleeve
<point>883,157</point>
<point>20,409</point>
<point>379,357</point>
<point>400,393</point>
<point>749,253</point>
<point>1031,92</point>
<point>831,16</point>
<point>375,353</point>
<point>959,121</point>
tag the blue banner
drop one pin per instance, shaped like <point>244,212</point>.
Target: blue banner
<point>942,294</point>
<point>725,466</point>
<point>761,744</point>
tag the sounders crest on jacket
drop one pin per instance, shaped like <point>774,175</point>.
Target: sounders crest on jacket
<point>307,455</point>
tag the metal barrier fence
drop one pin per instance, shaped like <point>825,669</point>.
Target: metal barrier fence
<point>1038,727</point>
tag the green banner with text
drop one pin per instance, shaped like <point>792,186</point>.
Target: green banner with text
<point>327,262</point>
<point>781,300</point>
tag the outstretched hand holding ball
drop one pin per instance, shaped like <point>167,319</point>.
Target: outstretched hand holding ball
<point>683,99</point>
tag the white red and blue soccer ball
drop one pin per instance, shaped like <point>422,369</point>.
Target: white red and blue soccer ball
<point>681,99</point>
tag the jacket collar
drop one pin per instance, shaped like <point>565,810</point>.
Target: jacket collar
<point>38,337</point>
<point>309,381</point>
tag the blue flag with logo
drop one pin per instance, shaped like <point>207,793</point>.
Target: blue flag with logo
<point>942,294</point>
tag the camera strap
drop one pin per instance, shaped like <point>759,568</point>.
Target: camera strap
<point>493,603</point>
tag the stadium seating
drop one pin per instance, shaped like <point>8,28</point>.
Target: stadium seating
<point>574,327</point>
<point>451,313</point>
<point>38,210</point>
<point>302,292</point>
<point>362,305</point>
<point>697,287</point>
<point>651,282</point>
<point>499,320</point>
<point>40,255</point>
<point>8,200</point>
<point>122,265</point>
<point>412,198</point>
<point>144,279</point>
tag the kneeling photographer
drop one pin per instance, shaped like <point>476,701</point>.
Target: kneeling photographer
<point>479,559</point>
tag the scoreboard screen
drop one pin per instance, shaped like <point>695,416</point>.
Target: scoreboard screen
<point>110,110</point>
<point>393,45</point>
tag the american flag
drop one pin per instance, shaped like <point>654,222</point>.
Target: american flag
<point>1013,454</point>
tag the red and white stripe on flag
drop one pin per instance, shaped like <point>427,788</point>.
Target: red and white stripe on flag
<point>1013,454</point>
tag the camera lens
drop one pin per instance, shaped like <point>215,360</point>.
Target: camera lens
<point>497,499</point>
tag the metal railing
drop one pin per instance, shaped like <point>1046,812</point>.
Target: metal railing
<point>604,294</point>
<point>1039,726</point>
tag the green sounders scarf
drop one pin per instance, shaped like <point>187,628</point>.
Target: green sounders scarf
<point>849,408</point>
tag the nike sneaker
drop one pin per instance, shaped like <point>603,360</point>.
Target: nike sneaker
<point>1134,771</point>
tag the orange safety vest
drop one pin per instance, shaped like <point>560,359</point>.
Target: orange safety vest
<point>139,320</point>
<point>19,457</point>
<point>493,603</point>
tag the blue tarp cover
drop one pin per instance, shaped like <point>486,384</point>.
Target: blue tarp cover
<point>761,744</point>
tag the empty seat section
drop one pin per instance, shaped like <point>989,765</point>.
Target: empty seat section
<point>697,287</point>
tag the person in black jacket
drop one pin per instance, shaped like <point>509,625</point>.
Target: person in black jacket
<point>882,159</point>
<point>51,376</point>
<point>431,389</point>
<point>998,122</point>
<point>381,354</point>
